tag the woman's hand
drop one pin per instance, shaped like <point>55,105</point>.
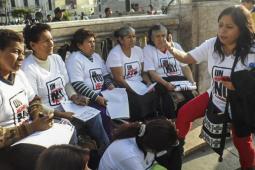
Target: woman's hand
<point>79,100</point>
<point>110,87</point>
<point>169,86</point>
<point>101,101</point>
<point>42,123</point>
<point>228,84</point>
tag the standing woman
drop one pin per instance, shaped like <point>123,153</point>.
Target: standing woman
<point>235,40</point>
<point>125,61</point>
<point>48,76</point>
<point>17,103</point>
<point>137,146</point>
<point>88,74</point>
<point>164,68</point>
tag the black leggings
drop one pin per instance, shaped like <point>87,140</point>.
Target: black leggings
<point>21,157</point>
<point>166,104</point>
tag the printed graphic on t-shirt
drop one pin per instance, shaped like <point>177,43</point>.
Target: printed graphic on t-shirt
<point>56,92</point>
<point>170,67</point>
<point>19,108</point>
<point>131,69</point>
<point>96,78</point>
<point>220,91</point>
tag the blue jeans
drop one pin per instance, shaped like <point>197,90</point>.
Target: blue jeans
<point>97,131</point>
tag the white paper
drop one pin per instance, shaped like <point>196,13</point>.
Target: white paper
<point>83,113</point>
<point>139,87</point>
<point>183,85</point>
<point>56,135</point>
<point>117,103</point>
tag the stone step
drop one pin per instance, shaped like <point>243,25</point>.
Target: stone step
<point>193,142</point>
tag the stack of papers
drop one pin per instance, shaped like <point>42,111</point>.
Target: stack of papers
<point>183,85</point>
<point>83,113</point>
<point>139,87</point>
<point>56,135</point>
<point>117,103</point>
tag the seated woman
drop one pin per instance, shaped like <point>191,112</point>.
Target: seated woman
<point>125,61</point>
<point>88,74</point>
<point>17,103</point>
<point>164,68</point>
<point>63,157</point>
<point>137,146</point>
<point>48,76</point>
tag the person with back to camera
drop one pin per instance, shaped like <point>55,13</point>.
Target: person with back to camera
<point>137,146</point>
<point>88,74</point>
<point>48,76</point>
<point>164,68</point>
<point>18,102</point>
<point>125,62</point>
<point>63,157</point>
<point>234,42</point>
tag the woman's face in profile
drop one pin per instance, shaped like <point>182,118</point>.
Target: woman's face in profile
<point>44,47</point>
<point>11,57</point>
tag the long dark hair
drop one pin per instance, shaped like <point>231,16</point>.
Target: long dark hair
<point>79,36</point>
<point>64,157</point>
<point>243,19</point>
<point>33,32</point>
<point>158,135</point>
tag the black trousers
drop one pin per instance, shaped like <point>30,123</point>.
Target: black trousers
<point>172,160</point>
<point>141,107</point>
<point>20,157</point>
<point>166,104</point>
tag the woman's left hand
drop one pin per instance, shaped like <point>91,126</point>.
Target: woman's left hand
<point>228,84</point>
<point>79,100</point>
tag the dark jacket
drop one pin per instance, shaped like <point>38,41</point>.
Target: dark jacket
<point>242,102</point>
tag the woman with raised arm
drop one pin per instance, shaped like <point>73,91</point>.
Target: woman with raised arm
<point>234,42</point>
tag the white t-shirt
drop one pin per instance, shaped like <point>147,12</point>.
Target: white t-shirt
<point>80,68</point>
<point>14,100</point>
<point>132,66</point>
<point>163,63</point>
<point>216,67</point>
<point>124,154</point>
<point>49,85</point>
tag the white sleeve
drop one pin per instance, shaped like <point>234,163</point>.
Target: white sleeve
<point>113,60</point>
<point>139,52</point>
<point>62,68</point>
<point>148,59</point>
<point>131,164</point>
<point>29,90</point>
<point>201,52</point>
<point>74,69</point>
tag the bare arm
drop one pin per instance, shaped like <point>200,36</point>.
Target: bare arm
<point>145,76</point>
<point>118,77</point>
<point>154,75</point>
<point>188,73</point>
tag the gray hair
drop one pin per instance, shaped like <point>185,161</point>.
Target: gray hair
<point>124,31</point>
<point>155,29</point>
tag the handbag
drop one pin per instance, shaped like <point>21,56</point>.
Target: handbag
<point>216,127</point>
